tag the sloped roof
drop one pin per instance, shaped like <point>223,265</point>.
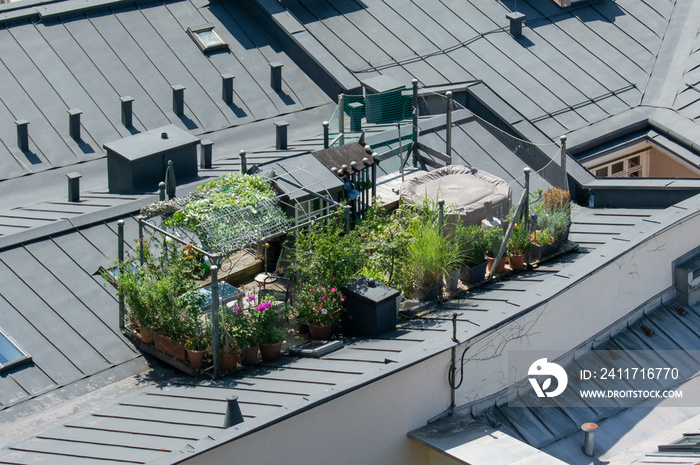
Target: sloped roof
<point>71,54</point>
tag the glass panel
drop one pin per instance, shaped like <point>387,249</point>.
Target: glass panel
<point>9,352</point>
<point>636,174</point>
<point>601,172</point>
<point>210,38</point>
<point>635,161</point>
<point>618,167</point>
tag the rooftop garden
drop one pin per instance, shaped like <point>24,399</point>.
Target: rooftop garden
<point>423,251</point>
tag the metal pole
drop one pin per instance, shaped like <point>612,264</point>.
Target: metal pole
<point>161,191</point>
<point>398,128</point>
<point>120,257</point>
<point>375,162</point>
<point>346,213</point>
<point>365,177</point>
<point>244,163</point>
<point>453,367</point>
<point>215,318</point>
<point>341,119</point>
<point>414,146</point>
<point>441,204</point>
<point>448,148</point>
<point>141,251</point>
<point>565,177</point>
<point>526,212</point>
<point>326,135</point>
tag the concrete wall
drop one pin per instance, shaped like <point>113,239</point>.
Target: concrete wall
<point>366,426</point>
<point>585,306</point>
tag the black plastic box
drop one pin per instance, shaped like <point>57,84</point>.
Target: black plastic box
<point>370,308</point>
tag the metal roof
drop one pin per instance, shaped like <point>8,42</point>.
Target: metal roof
<point>74,55</point>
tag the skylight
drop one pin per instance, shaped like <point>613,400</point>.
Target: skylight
<point>10,354</point>
<point>206,38</point>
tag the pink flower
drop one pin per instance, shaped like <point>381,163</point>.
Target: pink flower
<point>267,305</point>
<point>323,297</point>
<point>332,289</point>
<point>342,299</point>
<point>250,298</point>
<point>238,309</point>
<point>313,290</point>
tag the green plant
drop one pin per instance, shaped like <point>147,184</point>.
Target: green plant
<point>430,253</point>
<point>319,303</point>
<point>472,243</point>
<point>267,331</point>
<point>494,239</point>
<point>519,240</point>
<point>326,252</point>
<point>541,237</point>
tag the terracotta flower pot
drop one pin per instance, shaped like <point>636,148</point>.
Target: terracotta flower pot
<point>517,262</point>
<point>249,356</point>
<point>168,346</point>
<point>146,335</point>
<point>228,362</point>
<point>196,357</point>
<point>501,265</point>
<point>322,333</point>
<point>271,352</point>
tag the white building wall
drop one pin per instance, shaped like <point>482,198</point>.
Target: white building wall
<point>367,426</point>
<point>582,310</point>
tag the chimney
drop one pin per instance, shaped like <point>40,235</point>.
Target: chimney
<point>74,123</point>
<point>227,88</point>
<point>588,441</point>
<point>281,135</point>
<point>206,155</point>
<point>178,99</point>
<point>516,23</point>
<point>276,76</point>
<point>22,134</point>
<point>73,187</point>
<point>127,111</point>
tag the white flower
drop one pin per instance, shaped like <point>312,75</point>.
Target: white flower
<point>324,311</point>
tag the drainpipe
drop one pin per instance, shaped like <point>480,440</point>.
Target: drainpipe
<point>120,256</point>
<point>453,367</point>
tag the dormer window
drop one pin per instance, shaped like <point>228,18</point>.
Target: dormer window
<point>206,38</point>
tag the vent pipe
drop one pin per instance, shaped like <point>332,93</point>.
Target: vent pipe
<point>178,99</point>
<point>281,135</point>
<point>22,134</point>
<point>227,88</point>
<point>74,123</point>
<point>356,116</point>
<point>244,163</point>
<point>233,412</point>
<point>276,76</point>
<point>127,111</point>
<point>326,135</point>
<point>206,154</point>
<point>588,441</point>
<point>516,23</point>
<point>73,187</point>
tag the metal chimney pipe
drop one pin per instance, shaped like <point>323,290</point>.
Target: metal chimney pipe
<point>516,23</point>
<point>127,111</point>
<point>281,135</point>
<point>233,412</point>
<point>244,165</point>
<point>22,134</point>
<point>326,135</point>
<point>73,186</point>
<point>588,442</point>
<point>565,177</point>
<point>74,123</point>
<point>178,99</point>
<point>206,155</point>
<point>227,88</point>
<point>276,76</point>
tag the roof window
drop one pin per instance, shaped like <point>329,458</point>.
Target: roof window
<point>10,353</point>
<point>206,38</point>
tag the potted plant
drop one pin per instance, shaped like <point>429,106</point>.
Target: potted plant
<point>430,256</point>
<point>240,324</point>
<point>320,305</point>
<point>473,245</point>
<point>494,239</point>
<point>518,245</point>
<point>196,348</point>
<point>551,220</point>
<point>268,335</point>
